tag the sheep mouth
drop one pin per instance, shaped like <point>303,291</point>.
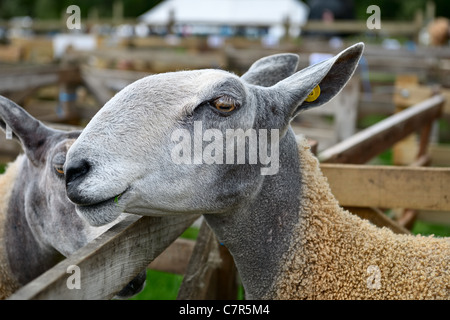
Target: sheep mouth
<point>115,200</point>
<point>103,212</point>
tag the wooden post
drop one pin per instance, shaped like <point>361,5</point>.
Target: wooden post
<point>118,12</point>
<point>67,99</point>
<point>69,79</point>
<point>407,93</point>
<point>175,258</point>
<point>413,149</point>
<point>418,24</point>
<point>211,273</point>
<point>171,22</point>
<point>346,109</point>
<point>430,10</point>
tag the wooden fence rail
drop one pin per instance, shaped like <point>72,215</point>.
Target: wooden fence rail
<point>392,28</point>
<point>370,142</point>
<point>389,186</point>
<point>30,78</point>
<point>109,262</point>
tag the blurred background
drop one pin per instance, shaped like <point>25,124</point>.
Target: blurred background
<point>63,76</point>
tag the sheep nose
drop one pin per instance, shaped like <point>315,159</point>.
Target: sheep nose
<point>75,172</point>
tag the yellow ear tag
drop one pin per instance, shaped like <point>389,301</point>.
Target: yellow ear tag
<point>313,95</point>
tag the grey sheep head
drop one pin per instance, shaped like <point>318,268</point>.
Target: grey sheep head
<point>161,145</point>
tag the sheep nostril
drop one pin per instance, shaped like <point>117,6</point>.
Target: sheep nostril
<point>76,171</point>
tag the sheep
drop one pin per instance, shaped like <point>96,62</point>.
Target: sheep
<point>199,142</point>
<point>38,225</point>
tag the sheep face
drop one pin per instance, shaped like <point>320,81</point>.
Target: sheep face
<point>39,191</point>
<point>164,144</point>
<point>46,206</point>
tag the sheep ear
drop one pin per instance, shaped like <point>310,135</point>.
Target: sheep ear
<point>270,70</point>
<point>30,132</point>
<point>330,75</point>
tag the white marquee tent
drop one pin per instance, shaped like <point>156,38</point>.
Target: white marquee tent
<point>232,13</point>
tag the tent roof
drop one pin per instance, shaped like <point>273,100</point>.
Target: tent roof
<point>228,12</point>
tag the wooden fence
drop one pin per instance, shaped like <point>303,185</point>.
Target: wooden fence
<point>111,261</point>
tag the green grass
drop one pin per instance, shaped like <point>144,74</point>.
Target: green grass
<point>190,233</point>
<point>164,286</point>
<point>160,286</point>
<point>383,159</point>
<point>428,228</point>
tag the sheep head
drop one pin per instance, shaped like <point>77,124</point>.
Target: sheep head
<point>170,143</point>
<point>46,208</point>
<point>39,203</point>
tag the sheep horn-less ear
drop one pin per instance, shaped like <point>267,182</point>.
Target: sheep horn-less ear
<point>29,131</point>
<point>270,70</point>
<point>330,75</point>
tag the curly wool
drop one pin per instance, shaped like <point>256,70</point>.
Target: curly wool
<point>337,255</point>
<point>8,283</point>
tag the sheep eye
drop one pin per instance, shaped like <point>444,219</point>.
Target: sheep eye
<point>225,104</point>
<point>59,168</point>
<point>58,163</point>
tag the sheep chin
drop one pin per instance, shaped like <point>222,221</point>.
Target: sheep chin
<point>99,215</point>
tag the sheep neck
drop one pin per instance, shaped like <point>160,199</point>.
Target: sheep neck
<point>257,234</point>
<point>23,248</point>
